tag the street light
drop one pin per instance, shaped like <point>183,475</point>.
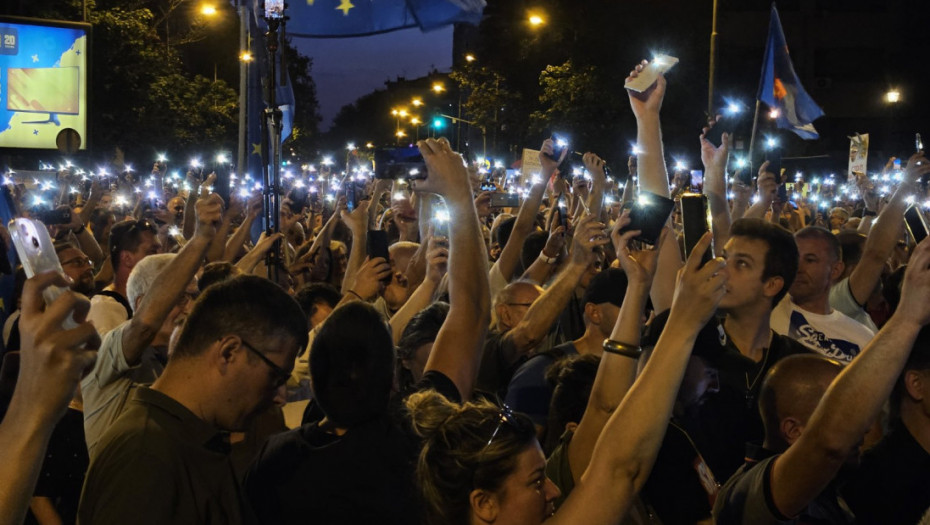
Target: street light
<point>438,87</point>
<point>536,20</point>
<point>245,56</point>
<point>773,113</point>
<point>208,10</point>
<point>893,96</point>
<point>469,57</point>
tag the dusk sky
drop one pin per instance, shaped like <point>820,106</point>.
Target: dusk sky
<point>346,68</point>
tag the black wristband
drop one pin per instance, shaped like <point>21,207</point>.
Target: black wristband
<point>618,348</point>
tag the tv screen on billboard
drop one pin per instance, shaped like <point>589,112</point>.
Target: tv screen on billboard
<point>43,81</point>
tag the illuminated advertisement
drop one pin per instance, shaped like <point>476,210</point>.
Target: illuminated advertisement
<point>43,82</point>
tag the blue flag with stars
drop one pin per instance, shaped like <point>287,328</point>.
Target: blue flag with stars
<point>781,89</point>
<point>346,18</point>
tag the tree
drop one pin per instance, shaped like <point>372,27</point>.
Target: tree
<point>491,104</point>
<point>304,137</point>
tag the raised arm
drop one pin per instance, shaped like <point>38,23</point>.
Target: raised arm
<point>437,259</point>
<point>96,193</point>
<point>589,233</point>
<point>357,220</point>
<point>885,232</point>
<point>526,217</point>
<point>616,372</point>
<point>52,363</point>
<point>715,185</point>
<point>457,351</point>
<point>595,166</point>
<point>855,397</point>
<point>628,445</point>
<point>241,235</point>
<point>767,189</point>
<point>171,282</point>
<point>650,159</point>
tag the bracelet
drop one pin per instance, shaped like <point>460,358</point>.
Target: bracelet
<point>79,230</point>
<point>616,347</point>
<point>355,294</point>
<point>546,259</point>
<point>869,213</point>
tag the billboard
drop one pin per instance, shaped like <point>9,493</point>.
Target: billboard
<point>43,81</point>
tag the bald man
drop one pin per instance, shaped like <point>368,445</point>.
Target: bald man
<point>814,426</point>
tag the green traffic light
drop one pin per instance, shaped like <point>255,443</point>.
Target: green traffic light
<point>438,123</point>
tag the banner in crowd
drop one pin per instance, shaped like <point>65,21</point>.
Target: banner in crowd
<point>858,155</point>
<point>781,89</point>
<point>529,165</point>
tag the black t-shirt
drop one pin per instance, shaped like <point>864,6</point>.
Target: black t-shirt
<point>892,484</point>
<point>729,418</point>
<point>496,369</point>
<point>681,488</point>
<point>367,475</point>
<point>63,469</point>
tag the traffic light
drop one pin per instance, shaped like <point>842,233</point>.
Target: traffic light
<point>438,123</point>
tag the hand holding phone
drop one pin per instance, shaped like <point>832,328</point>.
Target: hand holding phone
<point>36,252</point>
<point>696,221</point>
<point>650,73</point>
<point>648,214</point>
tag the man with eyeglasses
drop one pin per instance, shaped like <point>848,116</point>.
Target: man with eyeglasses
<point>78,266</point>
<point>167,458</point>
<point>130,242</point>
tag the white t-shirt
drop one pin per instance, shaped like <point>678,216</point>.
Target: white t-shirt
<point>834,335</point>
<point>106,313</point>
<point>842,299</point>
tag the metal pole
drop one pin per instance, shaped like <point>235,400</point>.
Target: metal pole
<point>713,60</point>
<point>752,138</point>
<point>243,87</point>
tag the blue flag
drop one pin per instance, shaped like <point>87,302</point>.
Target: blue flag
<point>346,18</point>
<point>781,89</point>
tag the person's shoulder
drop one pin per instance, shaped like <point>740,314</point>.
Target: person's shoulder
<point>746,497</point>
<point>783,346</point>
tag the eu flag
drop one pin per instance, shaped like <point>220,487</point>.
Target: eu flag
<point>781,89</point>
<point>346,18</point>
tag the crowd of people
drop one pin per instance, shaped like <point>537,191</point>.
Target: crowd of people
<point>516,365</point>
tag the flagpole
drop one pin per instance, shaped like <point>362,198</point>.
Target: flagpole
<point>713,60</point>
<point>752,137</point>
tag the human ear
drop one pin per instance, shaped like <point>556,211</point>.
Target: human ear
<point>484,505</point>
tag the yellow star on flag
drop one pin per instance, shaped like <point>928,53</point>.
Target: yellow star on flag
<point>309,2</point>
<point>344,6</point>
<point>256,148</point>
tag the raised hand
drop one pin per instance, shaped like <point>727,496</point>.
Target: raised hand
<point>639,265</point>
<point>447,174</point>
<point>649,102</point>
<point>209,215</point>
<point>368,280</point>
<point>699,288</point>
<point>437,258</point>
<point>589,234</point>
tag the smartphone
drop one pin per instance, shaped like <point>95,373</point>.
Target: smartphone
<point>562,210</point>
<point>559,143</point>
<point>36,252</point>
<point>697,178</point>
<point>696,221</point>
<point>897,164</point>
<point>725,124</point>
<point>440,227</point>
<point>745,176</point>
<point>351,194</point>
<point>377,244</point>
<point>399,163</point>
<point>648,76</point>
<point>918,143</point>
<point>916,225</point>
<point>221,186</point>
<point>274,9</point>
<point>505,200</point>
<point>56,216</point>
<point>649,213</point>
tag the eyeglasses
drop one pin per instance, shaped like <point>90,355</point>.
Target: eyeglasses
<point>279,374</point>
<point>80,262</point>
<point>505,416</point>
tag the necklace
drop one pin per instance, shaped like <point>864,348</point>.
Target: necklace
<point>750,386</point>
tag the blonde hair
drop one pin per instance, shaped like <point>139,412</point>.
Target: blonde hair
<point>457,456</point>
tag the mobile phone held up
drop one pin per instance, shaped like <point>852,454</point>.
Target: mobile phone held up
<point>559,144</point>
<point>916,225</point>
<point>274,9</point>
<point>399,163</point>
<point>505,200</point>
<point>648,214</point>
<point>648,76</point>
<point>377,244</point>
<point>696,220</point>
<point>36,252</point>
<point>55,216</point>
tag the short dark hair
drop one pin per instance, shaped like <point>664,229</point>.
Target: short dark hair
<point>822,234</point>
<point>532,246</point>
<point>422,329</point>
<point>503,231</point>
<point>351,365</point>
<point>781,258</point>
<point>572,379</point>
<point>918,360</point>
<point>127,236</point>
<point>246,305</point>
<point>315,293</point>
<point>215,272</point>
<point>851,245</point>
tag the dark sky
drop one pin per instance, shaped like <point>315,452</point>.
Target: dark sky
<point>346,68</point>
